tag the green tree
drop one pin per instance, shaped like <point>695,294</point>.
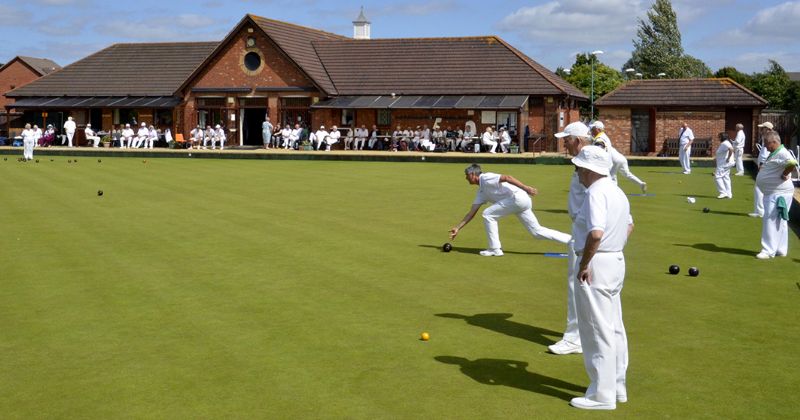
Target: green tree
<point>658,48</point>
<point>775,86</point>
<point>737,76</point>
<point>606,78</point>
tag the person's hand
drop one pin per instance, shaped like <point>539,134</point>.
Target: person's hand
<point>585,276</point>
<point>453,233</point>
<point>786,177</point>
<point>531,191</point>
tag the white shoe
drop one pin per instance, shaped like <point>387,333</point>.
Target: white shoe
<point>622,398</point>
<point>763,256</point>
<point>644,188</point>
<point>565,347</point>
<point>722,196</point>
<point>492,252</point>
<point>754,214</point>
<point>587,404</point>
<point>739,174</point>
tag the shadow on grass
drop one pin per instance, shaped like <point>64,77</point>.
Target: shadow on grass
<point>500,322</point>
<point>514,374</point>
<point>557,211</point>
<point>465,250</point>
<point>678,172</point>
<point>715,248</point>
<point>696,196</point>
<point>726,213</point>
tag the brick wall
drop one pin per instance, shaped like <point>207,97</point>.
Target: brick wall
<point>618,127</point>
<point>14,76</point>
<point>705,124</point>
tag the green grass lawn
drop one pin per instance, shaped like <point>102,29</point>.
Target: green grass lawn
<point>289,289</point>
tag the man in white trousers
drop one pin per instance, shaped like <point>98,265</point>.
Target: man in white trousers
<point>763,153</point>
<point>686,138</point>
<point>126,136</point>
<point>141,136</point>
<point>152,137</point>
<point>333,138</point>
<point>619,163</point>
<point>505,140</point>
<point>488,139</point>
<point>509,196</point>
<point>601,230</point>
<point>738,149</point>
<point>576,136</point>
<point>320,138</point>
<point>91,135</point>
<point>219,136</point>
<point>774,180</point>
<point>69,129</point>
<point>28,140</point>
<point>722,173</point>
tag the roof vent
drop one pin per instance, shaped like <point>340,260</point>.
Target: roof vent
<point>361,26</point>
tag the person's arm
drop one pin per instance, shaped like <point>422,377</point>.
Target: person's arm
<point>592,244</point>
<point>787,171</point>
<point>513,181</point>
<point>470,214</point>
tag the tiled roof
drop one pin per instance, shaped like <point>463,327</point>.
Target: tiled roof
<point>156,69</point>
<point>42,65</point>
<point>443,66</point>
<point>682,92</point>
<point>296,41</point>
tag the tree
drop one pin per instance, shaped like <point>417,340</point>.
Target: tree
<point>737,76</point>
<point>658,47</point>
<point>775,86</point>
<point>606,78</point>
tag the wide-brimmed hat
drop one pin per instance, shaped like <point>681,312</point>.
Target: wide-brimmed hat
<point>593,158</point>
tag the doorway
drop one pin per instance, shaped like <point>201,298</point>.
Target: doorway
<point>640,131</point>
<point>251,126</point>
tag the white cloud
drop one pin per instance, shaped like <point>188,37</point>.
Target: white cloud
<point>758,61</point>
<point>181,28</point>
<point>587,25</point>
<point>13,16</point>
<point>773,25</point>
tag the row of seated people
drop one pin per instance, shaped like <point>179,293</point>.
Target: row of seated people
<point>49,136</point>
<point>420,139</point>
<point>125,137</point>
<point>199,138</point>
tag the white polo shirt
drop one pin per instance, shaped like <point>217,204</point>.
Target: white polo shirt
<point>769,178</point>
<point>738,142</point>
<point>605,208</point>
<point>492,190</point>
<point>577,193</point>
<point>722,153</point>
<point>686,135</point>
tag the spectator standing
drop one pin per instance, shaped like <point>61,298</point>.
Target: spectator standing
<point>266,132</point>
<point>738,149</point>
<point>69,129</point>
<point>686,137</point>
<point>28,140</point>
<point>774,180</point>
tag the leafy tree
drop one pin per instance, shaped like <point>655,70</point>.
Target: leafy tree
<point>658,47</point>
<point>737,76</point>
<point>775,86</point>
<point>606,78</point>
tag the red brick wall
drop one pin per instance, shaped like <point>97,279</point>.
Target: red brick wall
<point>17,75</point>
<point>703,124</point>
<point>618,127</point>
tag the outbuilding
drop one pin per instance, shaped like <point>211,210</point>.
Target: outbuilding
<point>18,72</point>
<point>644,117</point>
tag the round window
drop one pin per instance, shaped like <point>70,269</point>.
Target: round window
<point>252,61</point>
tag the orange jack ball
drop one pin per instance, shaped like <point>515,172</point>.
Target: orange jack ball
<point>425,336</point>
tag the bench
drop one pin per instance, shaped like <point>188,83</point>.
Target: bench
<point>701,147</point>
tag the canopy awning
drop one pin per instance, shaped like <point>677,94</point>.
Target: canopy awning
<point>53,102</point>
<point>425,102</point>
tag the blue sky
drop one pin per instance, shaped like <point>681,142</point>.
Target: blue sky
<point>743,34</point>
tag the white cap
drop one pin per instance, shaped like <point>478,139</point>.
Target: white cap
<point>218,126</point>
<point>577,129</point>
<point>321,127</point>
<point>766,125</point>
<point>88,124</point>
<point>594,159</point>
<point>598,125</point>
<point>144,125</point>
<point>127,125</point>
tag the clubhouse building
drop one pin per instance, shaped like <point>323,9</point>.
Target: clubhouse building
<point>297,74</point>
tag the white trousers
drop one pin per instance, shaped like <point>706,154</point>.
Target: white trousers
<point>758,201</point>
<point>571,334</point>
<point>603,338</point>
<point>359,140</point>
<point>722,176</point>
<point>70,135</point>
<point>684,155</point>
<point>738,153</point>
<point>491,143</point>
<point>371,142</point>
<point>504,146</point>
<point>319,143</point>
<point>214,143</point>
<point>27,151</point>
<point>626,171</point>
<point>774,230</point>
<point>149,143</point>
<point>519,204</point>
<point>95,140</point>
<point>137,143</point>
<point>122,141</point>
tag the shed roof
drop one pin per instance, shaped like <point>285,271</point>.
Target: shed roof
<point>41,66</point>
<point>154,69</point>
<point>682,92</point>
<point>443,66</point>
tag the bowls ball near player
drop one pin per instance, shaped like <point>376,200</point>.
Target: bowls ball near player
<point>424,336</point>
<point>99,193</point>
<point>674,269</point>
<point>694,271</point>
<point>706,209</point>
<point>447,247</point>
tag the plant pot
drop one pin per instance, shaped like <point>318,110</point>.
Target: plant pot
<point>106,144</point>
<point>513,149</point>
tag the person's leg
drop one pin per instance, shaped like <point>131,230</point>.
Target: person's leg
<point>739,153</point>
<point>758,202</point>
<point>531,223</point>
<point>770,226</point>
<point>70,135</point>
<point>782,248</point>
<point>490,217</point>
<point>727,182</point>
<point>570,342</point>
<point>621,338</point>
<point>720,182</point>
<point>682,157</point>
<point>626,171</point>
<point>598,325</point>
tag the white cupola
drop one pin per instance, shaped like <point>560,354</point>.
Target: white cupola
<point>361,26</point>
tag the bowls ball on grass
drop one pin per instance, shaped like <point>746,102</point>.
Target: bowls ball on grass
<point>447,247</point>
<point>674,269</point>
<point>694,271</point>
<point>706,209</point>
<point>99,193</point>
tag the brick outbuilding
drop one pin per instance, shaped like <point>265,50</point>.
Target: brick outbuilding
<point>18,72</point>
<point>643,116</point>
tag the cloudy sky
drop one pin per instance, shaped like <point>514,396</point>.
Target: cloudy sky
<point>743,34</point>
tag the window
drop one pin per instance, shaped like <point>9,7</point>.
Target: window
<point>384,117</point>
<point>252,61</point>
<point>348,115</point>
